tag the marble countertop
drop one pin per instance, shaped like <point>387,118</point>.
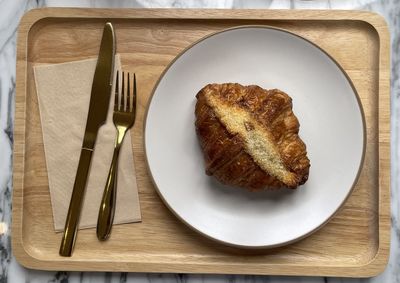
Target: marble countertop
<point>10,14</point>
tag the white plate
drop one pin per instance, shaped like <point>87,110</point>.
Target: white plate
<point>331,124</point>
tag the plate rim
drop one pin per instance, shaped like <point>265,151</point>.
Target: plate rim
<point>360,166</point>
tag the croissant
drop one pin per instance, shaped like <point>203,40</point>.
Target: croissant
<point>249,137</point>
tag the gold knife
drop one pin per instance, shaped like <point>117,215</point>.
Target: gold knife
<point>98,108</point>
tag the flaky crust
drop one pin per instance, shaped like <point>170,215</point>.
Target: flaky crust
<point>224,152</point>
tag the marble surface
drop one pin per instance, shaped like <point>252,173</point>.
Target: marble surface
<point>11,12</point>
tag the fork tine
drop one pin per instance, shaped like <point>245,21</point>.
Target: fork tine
<point>116,100</point>
<point>134,93</point>
<point>128,104</point>
<point>122,108</point>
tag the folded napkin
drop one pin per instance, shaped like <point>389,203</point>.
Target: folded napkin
<point>64,93</point>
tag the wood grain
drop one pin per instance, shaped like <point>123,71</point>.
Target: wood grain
<point>354,243</point>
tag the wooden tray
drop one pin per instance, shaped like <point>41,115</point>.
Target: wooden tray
<point>354,243</point>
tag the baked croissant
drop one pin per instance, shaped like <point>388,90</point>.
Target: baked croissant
<point>249,137</point>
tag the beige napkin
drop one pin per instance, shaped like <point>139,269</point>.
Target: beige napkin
<point>64,93</point>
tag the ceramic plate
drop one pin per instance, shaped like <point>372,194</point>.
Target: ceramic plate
<point>331,125</point>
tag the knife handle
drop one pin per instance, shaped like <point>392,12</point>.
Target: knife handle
<point>75,205</point>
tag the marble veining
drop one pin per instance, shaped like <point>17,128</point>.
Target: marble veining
<point>10,14</point>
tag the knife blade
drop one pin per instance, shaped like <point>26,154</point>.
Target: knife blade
<point>98,108</point>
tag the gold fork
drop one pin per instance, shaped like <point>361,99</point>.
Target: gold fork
<point>123,118</point>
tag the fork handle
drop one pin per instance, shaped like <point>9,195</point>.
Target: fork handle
<point>107,205</point>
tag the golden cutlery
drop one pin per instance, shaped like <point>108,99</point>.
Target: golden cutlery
<point>98,108</point>
<point>123,118</point>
